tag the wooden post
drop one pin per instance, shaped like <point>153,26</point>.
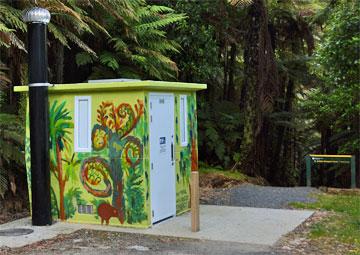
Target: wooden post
<point>195,218</point>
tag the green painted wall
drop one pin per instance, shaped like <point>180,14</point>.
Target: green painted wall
<point>186,156</point>
<point>110,184</point>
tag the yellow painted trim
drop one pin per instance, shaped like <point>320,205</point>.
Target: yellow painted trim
<point>330,156</point>
<point>21,89</point>
<point>121,86</point>
<point>330,161</point>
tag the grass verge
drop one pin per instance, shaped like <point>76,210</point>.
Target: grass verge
<point>343,225</point>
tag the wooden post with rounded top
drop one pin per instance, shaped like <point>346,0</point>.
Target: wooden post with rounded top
<point>195,218</point>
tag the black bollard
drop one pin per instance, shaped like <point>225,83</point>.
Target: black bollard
<point>37,19</point>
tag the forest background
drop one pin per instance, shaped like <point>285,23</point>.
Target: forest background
<point>283,76</point>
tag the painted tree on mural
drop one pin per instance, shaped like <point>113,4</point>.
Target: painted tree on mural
<point>124,152</point>
<point>60,123</point>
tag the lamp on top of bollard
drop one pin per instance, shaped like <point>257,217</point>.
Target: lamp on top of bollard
<point>37,20</point>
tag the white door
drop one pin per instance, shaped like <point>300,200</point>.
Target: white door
<point>162,156</point>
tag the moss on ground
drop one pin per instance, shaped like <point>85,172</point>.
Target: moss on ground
<point>231,175</point>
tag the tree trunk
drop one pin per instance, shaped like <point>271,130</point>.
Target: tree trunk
<point>260,83</point>
<point>62,215</point>
<point>61,182</point>
<point>231,87</point>
<point>116,173</point>
<point>59,62</point>
<point>226,71</point>
<point>279,167</point>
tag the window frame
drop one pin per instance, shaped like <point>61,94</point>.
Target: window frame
<point>76,124</point>
<point>183,119</point>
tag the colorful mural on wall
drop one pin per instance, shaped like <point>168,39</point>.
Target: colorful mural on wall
<point>60,122</point>
<point>125,154</point>
<point>99,173</point>
<point>187,155</point>
<point>110,184</point>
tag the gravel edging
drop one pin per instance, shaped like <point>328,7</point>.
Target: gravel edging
<point>249,195</point>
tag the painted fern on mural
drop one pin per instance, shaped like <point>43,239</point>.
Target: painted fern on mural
<point>71,200</point>
<point>134,195</point>
<point>54,205</point>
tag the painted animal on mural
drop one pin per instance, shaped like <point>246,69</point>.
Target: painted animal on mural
<point>107,211</point>
<point>124,155</point>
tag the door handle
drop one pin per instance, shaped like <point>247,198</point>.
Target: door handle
<point>172,152</point>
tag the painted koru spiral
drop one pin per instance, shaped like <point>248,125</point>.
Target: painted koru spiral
<point>125,120</point>
<point>101,168</point>
<point>133,150</point>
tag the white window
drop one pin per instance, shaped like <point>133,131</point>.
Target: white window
<point>183,120</point>
<point>82,132</point>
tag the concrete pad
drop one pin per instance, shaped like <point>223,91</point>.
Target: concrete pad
<point>257,226</point>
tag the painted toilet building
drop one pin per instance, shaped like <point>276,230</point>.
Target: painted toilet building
<point>121,153</point>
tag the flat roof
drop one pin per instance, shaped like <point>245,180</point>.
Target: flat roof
<point>121,86</point>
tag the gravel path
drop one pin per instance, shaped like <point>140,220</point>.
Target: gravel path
<point>262,197</point>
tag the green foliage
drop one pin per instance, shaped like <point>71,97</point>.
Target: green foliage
<point>4,184</point>
<point>11,146</point>
<point>338,54</point>
<point>11,139</point>
<point>203,41</point>
<point>138,46</point>
<point>71,167</point>
<point>134,196</point>
<point>344,225</point>
<point>198,61</point>
<point>219,135</point>
<point>221,171</point>
<point>10,22</point>
<point>4,79</point>
<point>54,204</point>
<point>334,104</point>
<point>59,123</point>
<point>71,199</point>
<point>185,164</point>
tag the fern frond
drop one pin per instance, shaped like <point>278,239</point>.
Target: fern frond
<point>96,25</point>
<point>4,185</point>
<point>56,32</point>
<point>240,3</point>
<point>161,23</point>
<point>84,58</point>
<point>78,42</point>
<point>15,41</point>
<point>109,60</point>
<point>120,45</point>
<point>11,17</point>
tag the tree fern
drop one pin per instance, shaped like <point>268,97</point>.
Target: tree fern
<point>84,58</point>
<point>109,60</point>
<point>4,185</point>
<point>4,79</point>
<point>139,46</point>
<point>10,22</point>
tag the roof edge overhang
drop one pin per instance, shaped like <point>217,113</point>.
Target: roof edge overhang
<point>120,86</point>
